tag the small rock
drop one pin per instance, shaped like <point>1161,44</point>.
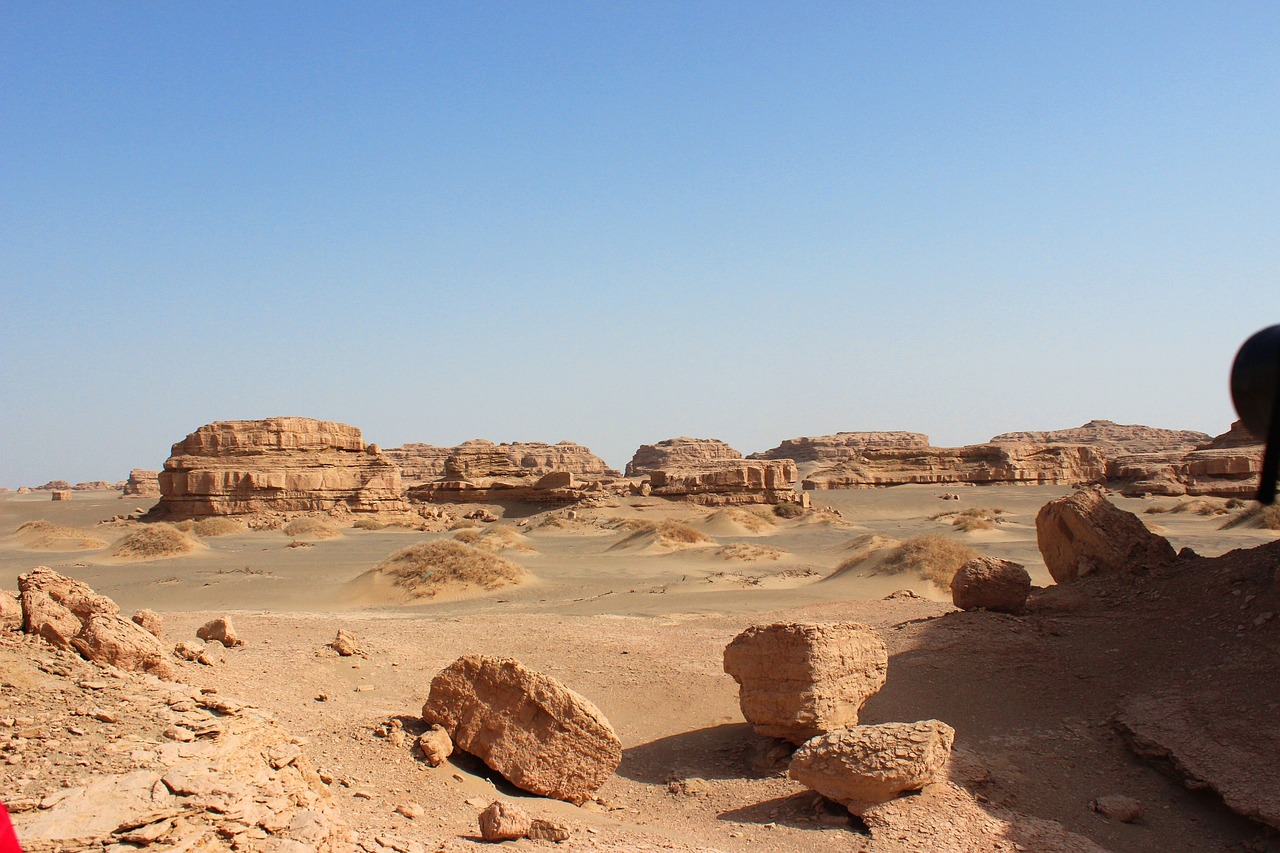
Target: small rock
<point>1118,807</point>
<point>346,645</point>
<point>220,630</point>
<point>503,822</point>
<point>435,745</point>
<point>546,830</point>
<point>149,621</point>
<point>413,811</point>
<point>189,649</point>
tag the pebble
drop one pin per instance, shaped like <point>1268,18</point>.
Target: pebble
<point>413,811</point>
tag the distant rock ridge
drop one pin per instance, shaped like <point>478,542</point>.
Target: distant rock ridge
<point>426,462</point>
<point>678,452</point>
<point>285,464</point>
<point>1133,438</point>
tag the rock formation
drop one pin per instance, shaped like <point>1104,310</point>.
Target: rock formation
<point>539,734</point>
<point>142,483</point>
<point>728,482</point>
<point>1085,533</point>
<point>423,463</point>
<point>864,765</point>
<point>989,583</point>
<point>1032,464</point>
<point>93,486</point>
<point>1226,466</point>
<point>276,465</point>
<point>842,447</point>
<point>419,462</point>
<point>680,452</point>
<point>483,472</point>
<point>798,680</point>
<point>54,486</point>
<point>1119,439</point>
<point>69,615</point>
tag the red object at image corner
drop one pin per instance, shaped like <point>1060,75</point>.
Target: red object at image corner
<point>8,838</point>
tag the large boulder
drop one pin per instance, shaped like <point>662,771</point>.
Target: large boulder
<point>865,765</point>
<point>989,583</point>
<point>797,680</point>
<point>276,465</point>
<point>1085,533</point>
<point>543,737</point>
<point>70,615</point>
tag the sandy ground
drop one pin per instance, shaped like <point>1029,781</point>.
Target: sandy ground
<point>640,628</point>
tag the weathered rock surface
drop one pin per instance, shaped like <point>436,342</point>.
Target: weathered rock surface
<point>220,630</point>
<point>539,734</point>
<point>1085,533</point>
<point>864,765</point>
<point>798,680</point>
<point>1226,466</point>
<point>54,486</point>
<point>1193,736</point>
<point>10,611</point>
<point>503,821</point>
<point>346,645</point>
<point>69,615</point>
<point>203,774</point>
<point>478,458</point>
<point>61,495</point>
<point>483,472</point>
<point>435,745</point>
<point>989,583</point>
<point>142,483</point>
<point>93,486</point>
<point>276,465</point>
<point>149,621</point>
<point>683,452</point>
<point>728,482</point>
<point>419,462</point>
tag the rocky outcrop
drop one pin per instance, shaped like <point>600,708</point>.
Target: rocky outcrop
<point>69,615</point>
<point>683,452</point>
<point>865,765</point>
<point>142,483</point>
<point>1119,439</point>
<point>483,472</point>
<point>539,734</point>
<point>842,447</point>
<point>798,680</point>
<point>93,486</point>
<point>276,465</point>
<point>1226,466</point>
<point>1084,533</point>
<point>728,482</point>
<point>1031,464</point>
<point>419,462</point>
<point>54,486</point>
<point>989,583</point>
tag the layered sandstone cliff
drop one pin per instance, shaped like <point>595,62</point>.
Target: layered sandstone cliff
<point>842,447</point>
<point>142,483</point>
<point>421,463</point>
<point>680,452</point>
<point>1032,464</point>
<point>480,471</point>
<point>722,482</point>
<point>276,465</point>
<point>1226,466</point>
<point>1117,438</point>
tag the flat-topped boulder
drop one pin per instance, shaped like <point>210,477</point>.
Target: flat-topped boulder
<point>276,465</point>
<point>683,452</point>
<point>727,482</point>
<point>142,483</point>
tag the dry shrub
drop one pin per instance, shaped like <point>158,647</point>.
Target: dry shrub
<point>748,552</point>
<point>499,537</point>
<point>428,569</point>
<point>463,524</point>
<point>1156,509</point>
<point>671,533</point>
<point>153,542</point>
<point>218,526</point>
<point>368,524</point>
<point>973,518</point>
<point>313,526</point>
<point>468,535</point>
<point>789,510</point>
<point>1260,516</point>
<point>929,555</point>
<point>47,536</point>
<point>752,521</point>
<point>1201,506</point>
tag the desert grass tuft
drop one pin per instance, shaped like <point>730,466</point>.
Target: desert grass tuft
<point>153,542</point>
<point>1259,516</point>
<point>931,556</point>
<point>789,510</point>
<point>368,524</point>
<point>443,565</point>
<point>218,526</point>
<point>313,527</point>
<point>665,532</point>
<point>47,536</point>
<point>749,552</point>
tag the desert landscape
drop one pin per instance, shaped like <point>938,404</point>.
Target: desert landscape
<point>336,647</point>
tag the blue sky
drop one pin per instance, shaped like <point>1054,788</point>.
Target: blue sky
<point>614,223</point>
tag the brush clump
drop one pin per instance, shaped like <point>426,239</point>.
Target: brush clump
<point>446,565</point>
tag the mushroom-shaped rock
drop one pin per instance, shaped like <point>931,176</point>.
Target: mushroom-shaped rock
<point>1084,533</point>
<point>989,583</point>
<point>797,680</point>
<point>864,765</point>
<point>220,630</point>
<point>542,736</point>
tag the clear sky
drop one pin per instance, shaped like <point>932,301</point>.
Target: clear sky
<point>614,222</point>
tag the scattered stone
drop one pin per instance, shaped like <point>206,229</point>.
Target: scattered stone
<point>797,680</point>
<point>346,645</point>
<point>220,630</point>
<point>1118,807</point>
<point>189,650</point>
<point>989,583</point>
<point>865,765</point>
<point>149,621</point>
<point>503,821</point>
<point>411,810</point>
<point>1085,533</point>
<point>543,737</point>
